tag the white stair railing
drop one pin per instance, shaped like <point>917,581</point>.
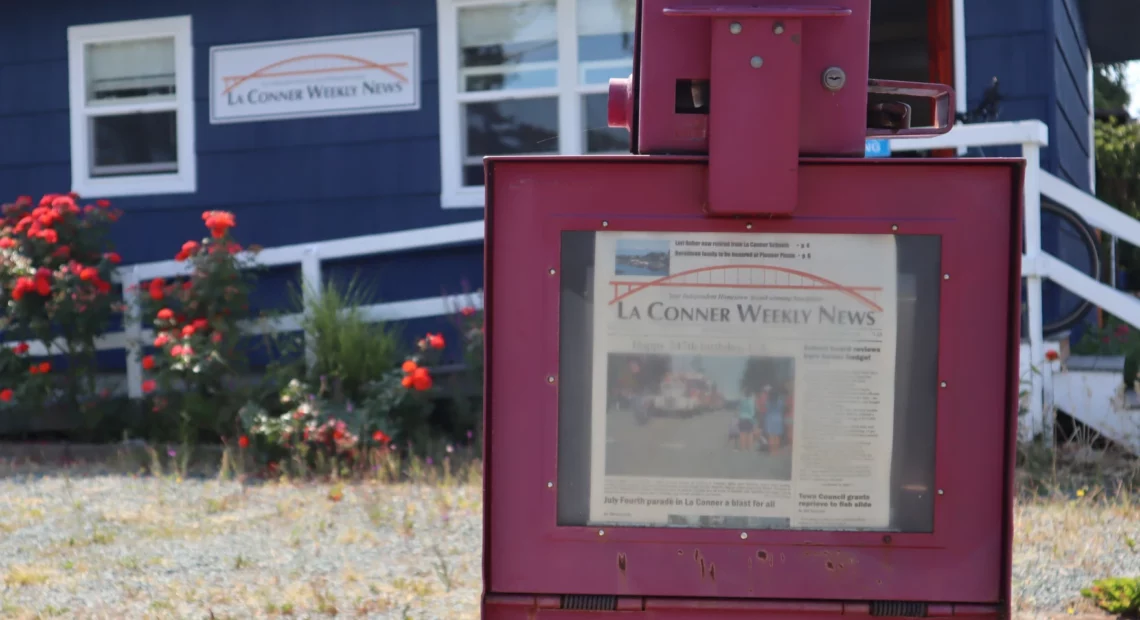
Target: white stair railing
<point>1036,264</point>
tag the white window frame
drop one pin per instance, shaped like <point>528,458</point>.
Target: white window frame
<point>185,180</point>
<point>570,93</point>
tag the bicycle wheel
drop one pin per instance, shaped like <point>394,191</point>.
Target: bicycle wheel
<point>1074,242</point>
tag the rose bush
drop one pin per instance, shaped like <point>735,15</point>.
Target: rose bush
<point>197,358</point>
<point>56,266</point>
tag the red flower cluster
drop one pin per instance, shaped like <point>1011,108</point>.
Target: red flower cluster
<point>190,248</point>
<point>432,341</point>
<point>416,376</point>
<point>40,283</point>
<point>42,368</point>
<point>218,222</point>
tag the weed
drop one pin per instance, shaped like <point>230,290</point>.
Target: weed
<point>441,568</point>
<point>1116,595</point>
<point>24,576</point>
<point>129,563</point>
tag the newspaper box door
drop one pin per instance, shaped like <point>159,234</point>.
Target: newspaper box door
<point>696,409</point>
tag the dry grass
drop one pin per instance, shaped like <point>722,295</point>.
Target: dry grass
<point>124,545</point>
<point>131,545</point>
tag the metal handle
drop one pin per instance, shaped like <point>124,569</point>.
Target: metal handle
<point>941,95</point>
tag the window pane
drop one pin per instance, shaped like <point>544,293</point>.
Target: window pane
<point>130,69</point>
<point>508,46</point>
<point>134,144</point>
<point>787,427</point>
<point>516,127</point>
<point>605,39</point>
<point>600,137</point>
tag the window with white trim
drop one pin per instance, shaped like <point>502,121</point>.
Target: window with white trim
<point>132,108</point>
<point>526,77</point>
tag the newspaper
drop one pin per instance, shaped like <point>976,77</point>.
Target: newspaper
<point>743,377</point>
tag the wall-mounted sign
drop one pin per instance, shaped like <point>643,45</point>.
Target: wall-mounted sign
<point>324,76</point>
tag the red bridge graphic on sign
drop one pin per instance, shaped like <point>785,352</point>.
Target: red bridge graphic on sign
<point>748,277</point>
<point>335,63</point>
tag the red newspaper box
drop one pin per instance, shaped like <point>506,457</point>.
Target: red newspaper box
<point>745,372</point>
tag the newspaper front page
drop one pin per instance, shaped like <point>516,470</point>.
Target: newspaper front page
<point>743,380</point>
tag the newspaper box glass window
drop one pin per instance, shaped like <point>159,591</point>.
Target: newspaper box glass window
<point>748,380</point>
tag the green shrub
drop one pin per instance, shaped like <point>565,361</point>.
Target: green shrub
<point>1116,595</point>
<point>348,348</point>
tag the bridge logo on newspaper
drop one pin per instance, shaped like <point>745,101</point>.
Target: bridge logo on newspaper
<point>743,379</point>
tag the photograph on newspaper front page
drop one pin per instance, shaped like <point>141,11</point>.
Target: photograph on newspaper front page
<point>743,380</point>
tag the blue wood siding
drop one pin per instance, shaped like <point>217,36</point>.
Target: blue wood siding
<point>1070,112</point>
<point>289,181</point>
<point>1036,49</point>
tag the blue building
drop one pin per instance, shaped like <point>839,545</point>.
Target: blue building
<point>315,122</point>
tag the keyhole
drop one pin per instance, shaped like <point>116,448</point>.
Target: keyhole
<point>834,78</point>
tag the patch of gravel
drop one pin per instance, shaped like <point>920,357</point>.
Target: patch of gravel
<point>1061,546</point>
<point>120,546</point>
<point>135,547</point>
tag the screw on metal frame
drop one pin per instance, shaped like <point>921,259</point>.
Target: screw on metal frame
<point>757,62</point>
<point>552,271</point>
<point>550,378</point>
<point>894,227</point>
<point>943,384</point>
<point>744,536</point>
<point>778,28</point>
<point>735,28</point>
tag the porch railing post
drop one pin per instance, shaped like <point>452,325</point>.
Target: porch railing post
<point>311,289</point>
<point>1039,418</point>
<point>132,331</point>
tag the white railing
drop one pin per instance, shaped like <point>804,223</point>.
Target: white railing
<point>1031,136</point>
<point>309,257</point>
<point>1036,264</point>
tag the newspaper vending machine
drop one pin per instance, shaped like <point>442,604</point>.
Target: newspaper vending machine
<point>745,371</point>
